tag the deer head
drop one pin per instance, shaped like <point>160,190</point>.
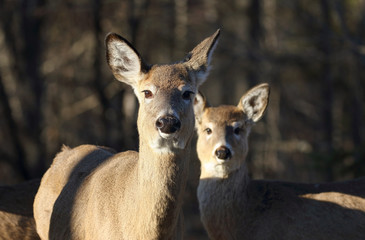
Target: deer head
<point>165,92</point>
<point>223,131</point>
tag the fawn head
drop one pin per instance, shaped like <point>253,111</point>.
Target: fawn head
<point>223,131</point>
<point>165,92</point>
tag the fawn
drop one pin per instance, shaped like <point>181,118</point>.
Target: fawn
<point>233,206</point>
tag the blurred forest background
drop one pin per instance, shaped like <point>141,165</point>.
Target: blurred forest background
<point>56,88</point>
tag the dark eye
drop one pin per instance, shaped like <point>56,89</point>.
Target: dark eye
<point>208,131</point>
<point>147,94</point>
<point>187,95</point>
<point>237,131</point>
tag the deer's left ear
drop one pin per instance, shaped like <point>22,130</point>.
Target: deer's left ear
<point>255,101</point>
<point>200,103</point>
<point>198,60</point>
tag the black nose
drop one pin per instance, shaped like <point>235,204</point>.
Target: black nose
<point>168,124</point>
<point>223,153</point>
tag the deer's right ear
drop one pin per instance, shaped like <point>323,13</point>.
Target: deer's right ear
<point>124,61</point>
<point>255,101</point>
<point>200,103</point>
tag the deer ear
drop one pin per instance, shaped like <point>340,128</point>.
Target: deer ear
<point>255,101</point>
<point>124,61</point>
<point>200,103</point>
<point>199,58</point>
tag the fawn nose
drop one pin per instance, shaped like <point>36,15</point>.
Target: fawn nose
<point>168,124</point>
<point>223,153</point>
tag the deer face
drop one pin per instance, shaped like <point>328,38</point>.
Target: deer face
<point>165,92</point>
<point>166,106</point>
<point>222,142</point>
<point>223,131</point>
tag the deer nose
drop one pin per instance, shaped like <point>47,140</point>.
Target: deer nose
<point>168,124</point>
<point>223,153</point>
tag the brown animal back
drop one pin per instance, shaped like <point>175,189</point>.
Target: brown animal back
<point>16,211</point>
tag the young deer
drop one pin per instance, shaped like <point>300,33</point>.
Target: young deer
<point>16,211</point>
<point>234,207</point>
<point>91,193</point>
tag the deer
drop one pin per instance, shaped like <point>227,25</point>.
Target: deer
<point>16,211</point>
<point>234,206</point>
<point>90,192</point>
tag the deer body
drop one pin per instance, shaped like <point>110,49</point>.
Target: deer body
<point>16,211</point>
<point>100,194</point>
<point>91,192</point>
<point>235,207</point>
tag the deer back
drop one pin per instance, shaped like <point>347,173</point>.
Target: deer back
<point>16,211</point>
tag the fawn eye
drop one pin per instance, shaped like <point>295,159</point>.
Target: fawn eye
<point>187,95</point>
<point>208,131</point>
<point>237,131</point>
<point>147,94</point>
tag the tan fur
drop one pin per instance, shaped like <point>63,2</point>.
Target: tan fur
<point>16,211</point>
<point>235,207</point>
<point>90,192</point>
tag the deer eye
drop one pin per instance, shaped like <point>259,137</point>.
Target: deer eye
<point>208,131</point>
<point>187,95</point>
<point>147,94</point>
<point>237,131</point>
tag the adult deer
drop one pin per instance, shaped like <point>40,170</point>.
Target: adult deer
<point>91,193</point>
<point>16,211</point>
<point>234,207</point>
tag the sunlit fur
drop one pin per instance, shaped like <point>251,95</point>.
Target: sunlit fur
<point>233,206</point>
<point>222,121</point>
<point>167,99</point>
<point>91,192</point>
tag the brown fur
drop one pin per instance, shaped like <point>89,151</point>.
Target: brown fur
<point>92,193</point>
<point>235,207</point>
<point>16,211</point>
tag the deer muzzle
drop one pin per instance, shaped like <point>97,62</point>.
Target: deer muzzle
<point>168,124</point>
<point>223,153</point>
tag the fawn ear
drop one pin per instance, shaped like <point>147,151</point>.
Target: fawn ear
<point>124,61</point>
<point>200,103</point>
<point>255,101</point>
<point>198,60</point>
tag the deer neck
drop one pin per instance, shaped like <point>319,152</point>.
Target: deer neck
<point>231,192</point>
<point>161,182</point>
<point>236,182</point>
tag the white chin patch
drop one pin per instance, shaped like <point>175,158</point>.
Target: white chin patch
<point>222,161</point>
<point>166,136</point>
<point>168,142</point>
<point>221,168</point>
<point>216,170</point>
